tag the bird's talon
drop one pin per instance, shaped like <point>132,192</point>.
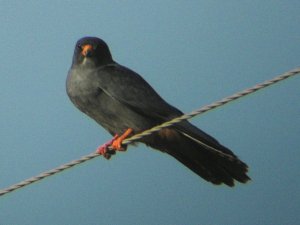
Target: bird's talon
<point>107,155</point>
<point>101,150</point>
<point>117,143</point>
<point>104,149</point>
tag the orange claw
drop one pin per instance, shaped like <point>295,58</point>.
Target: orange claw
<point>117,143</point>
<point>103,149</point>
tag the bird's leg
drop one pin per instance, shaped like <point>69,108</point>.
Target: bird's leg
<point>103,149</point>
<point>117,143</point>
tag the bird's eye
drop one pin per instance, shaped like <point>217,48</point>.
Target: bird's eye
<point>78,46</point>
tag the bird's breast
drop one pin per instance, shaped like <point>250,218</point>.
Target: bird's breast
<point>81,83</point>
<point>82,88</point>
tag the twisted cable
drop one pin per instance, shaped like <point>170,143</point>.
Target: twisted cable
<point>154,129</point>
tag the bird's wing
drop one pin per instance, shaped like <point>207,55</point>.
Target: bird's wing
<point>202,138</point>
<point>133,91</point>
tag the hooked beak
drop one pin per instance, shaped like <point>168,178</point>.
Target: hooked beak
<point>87,50</point>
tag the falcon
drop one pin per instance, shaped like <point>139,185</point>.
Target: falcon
<point>122,102</point>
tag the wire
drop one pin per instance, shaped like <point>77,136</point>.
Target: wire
<point>154,129</point>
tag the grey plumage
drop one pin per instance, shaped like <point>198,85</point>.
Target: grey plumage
<point>118,98</point>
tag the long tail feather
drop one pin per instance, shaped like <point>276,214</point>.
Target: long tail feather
<point>201,153</point>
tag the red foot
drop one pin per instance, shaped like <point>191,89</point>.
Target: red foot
<point>117,143</point>
<point>113,145</point>
<point>103,149</point>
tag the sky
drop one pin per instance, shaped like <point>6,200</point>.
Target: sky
<point>193,53</point>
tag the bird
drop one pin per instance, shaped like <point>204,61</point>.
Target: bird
<point>124,103</point>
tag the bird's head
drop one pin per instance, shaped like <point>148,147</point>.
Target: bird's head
<point>91,51</point>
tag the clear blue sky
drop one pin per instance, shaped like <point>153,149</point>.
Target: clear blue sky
<point>193,53</point>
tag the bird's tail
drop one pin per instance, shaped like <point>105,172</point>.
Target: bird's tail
<point>201,153</point>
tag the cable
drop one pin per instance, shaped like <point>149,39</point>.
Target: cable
<point>154,129</point>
